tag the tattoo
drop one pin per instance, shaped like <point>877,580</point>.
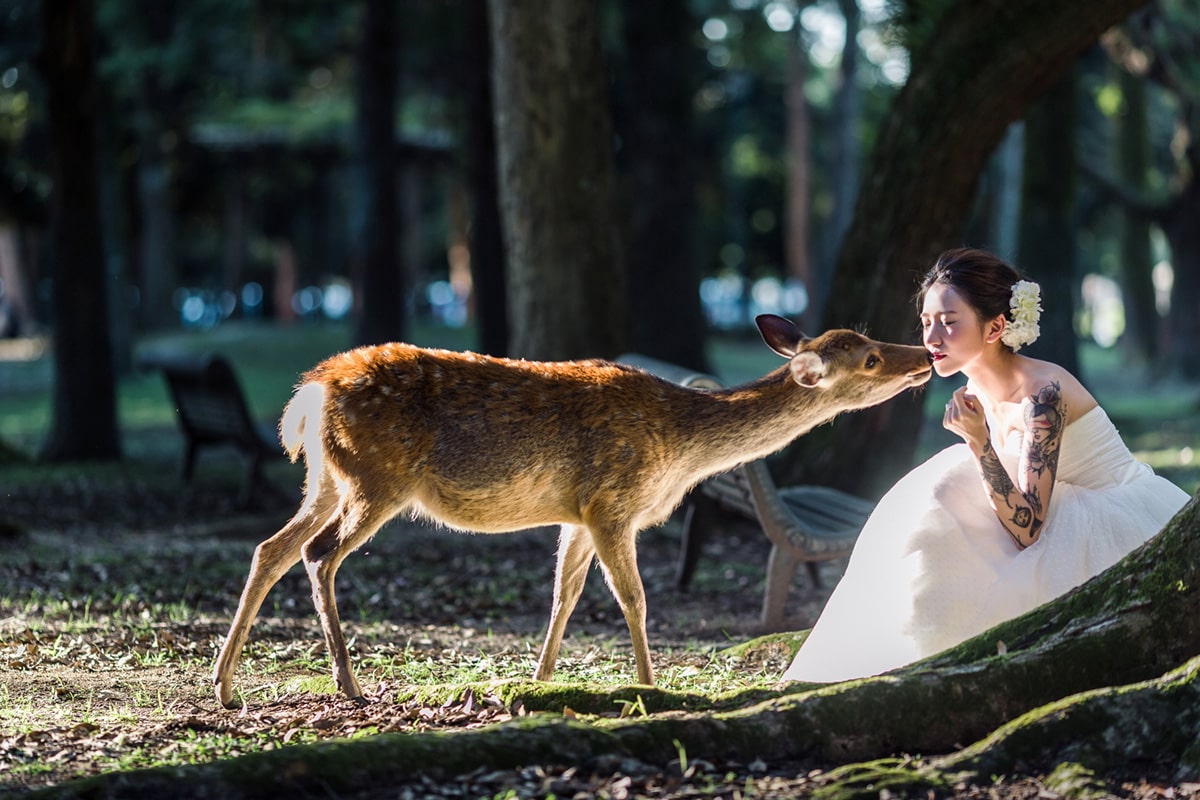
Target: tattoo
<point>1022,517</point>
<point>1035,500</point>
<point>994,473</point>
<point>1045,419</point>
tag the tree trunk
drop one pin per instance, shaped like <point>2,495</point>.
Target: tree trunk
<point>1107,670</point>
<point>984,63</point>
<point>1137,263</point>
<point>17,318</point>
<point>157,273</point>
<point>566,278</point>
<point>233,228</point>
<point>113,209</point>
<point>847,166</point>
<point>1004,223</point>
<point>487,243</point>
<point>157,241</point>
<point>382,308</point>
<point>1047,246</point>
<point>796,239</point>
<point>83,421</point>
<point>664,276</point>
<point>1183,234</point>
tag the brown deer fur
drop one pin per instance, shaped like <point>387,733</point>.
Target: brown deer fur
<point>493,445</point>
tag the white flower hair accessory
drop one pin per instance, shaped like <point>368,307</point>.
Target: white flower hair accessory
<point>1025,308</point>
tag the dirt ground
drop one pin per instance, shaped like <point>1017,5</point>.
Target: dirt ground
<point>115,602</point>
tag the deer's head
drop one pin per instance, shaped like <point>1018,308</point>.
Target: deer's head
<point>846,362</point>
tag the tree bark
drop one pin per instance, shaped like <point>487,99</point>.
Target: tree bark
<point>566,277</point>
<point>382,308</point>
<point>983,64</point>
<point>664,297</point>
<point>83,421</point>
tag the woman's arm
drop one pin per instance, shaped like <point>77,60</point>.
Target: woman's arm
<point>1021,507</point>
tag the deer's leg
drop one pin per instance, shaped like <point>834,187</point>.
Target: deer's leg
<point>356,522</point>
<point>272,558</point>
<point>617,551</point>
<point>575,551</point>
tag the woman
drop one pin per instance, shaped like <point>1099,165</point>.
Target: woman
<point>1041,495</point>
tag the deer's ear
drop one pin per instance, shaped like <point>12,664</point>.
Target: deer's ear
<point>781,335</point>
<point>807,369</point>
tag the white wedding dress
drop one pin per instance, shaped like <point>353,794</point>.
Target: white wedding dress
<point>934,566</point>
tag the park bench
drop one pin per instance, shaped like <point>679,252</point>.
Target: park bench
<point>212,411</point>
<point>805,524</point>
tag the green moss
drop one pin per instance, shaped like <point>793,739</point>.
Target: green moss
<point>1075,781</point>
<point>789,641</point>
<point>310,684</point>
<point>587,698</point>
<point>873,779</point>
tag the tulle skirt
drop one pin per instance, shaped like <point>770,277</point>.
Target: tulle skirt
<point>934,566</point>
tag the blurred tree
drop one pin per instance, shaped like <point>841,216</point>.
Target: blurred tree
<point>1171,39</point>
<point>976,65</point>
<point>566,277</point>
<point>23,201</point>
<point>1048,220</point>
<point>83,422</point>
<point>487,243</point>
<point>657,143</point>
<point>800,265</point>
<point>847,117</point>
<point>1136,261</point>
<point>382,313</point>
<point>1165,47</point>
<point>161,62</point>
<point>156,139</point>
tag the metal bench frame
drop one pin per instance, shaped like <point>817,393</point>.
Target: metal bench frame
<point>805,524</point>
<point>212,411</point>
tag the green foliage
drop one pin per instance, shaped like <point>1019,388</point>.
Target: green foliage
<point>912,22</point>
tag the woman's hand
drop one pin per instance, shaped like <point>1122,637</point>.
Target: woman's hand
<point>964,417</point>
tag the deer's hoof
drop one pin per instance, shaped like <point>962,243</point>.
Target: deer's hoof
<point>225,695</point>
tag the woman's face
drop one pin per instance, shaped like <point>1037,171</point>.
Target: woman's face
<point>951,330</point>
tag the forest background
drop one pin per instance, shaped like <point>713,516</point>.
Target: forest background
<point>685,165</point>
<point>565,180</point>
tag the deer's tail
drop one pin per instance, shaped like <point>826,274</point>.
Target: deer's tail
<point>300,429</point>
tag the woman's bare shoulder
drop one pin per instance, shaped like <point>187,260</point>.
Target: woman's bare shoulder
<point>1046,376</point>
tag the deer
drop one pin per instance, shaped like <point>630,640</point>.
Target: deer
<point>494,445</point>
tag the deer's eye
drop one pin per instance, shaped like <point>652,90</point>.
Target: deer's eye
<point>872,361</point>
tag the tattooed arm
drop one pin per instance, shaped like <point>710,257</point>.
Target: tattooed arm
<point>1021,507</point>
